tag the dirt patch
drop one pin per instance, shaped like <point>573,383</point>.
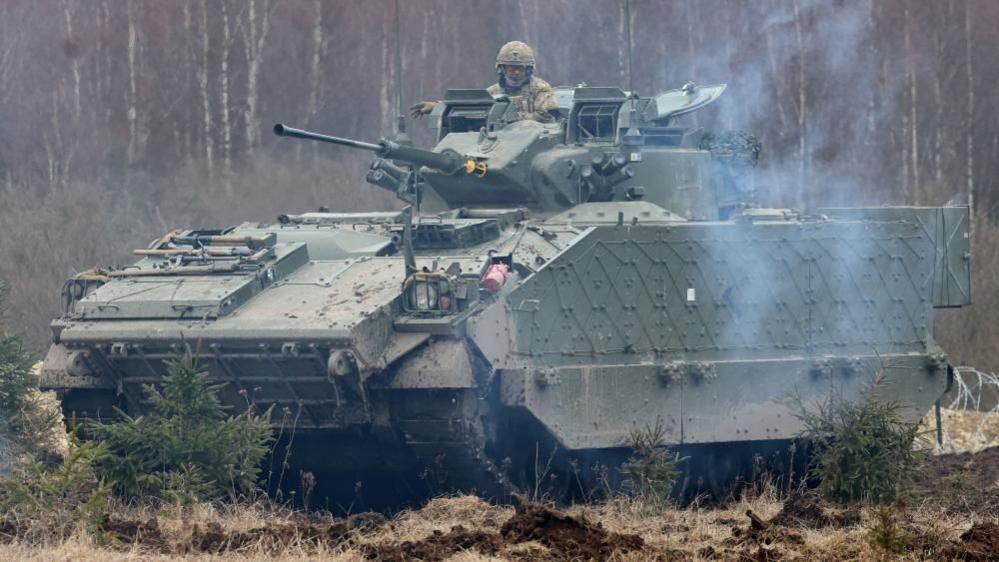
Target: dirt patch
<point>551,535</point>
<point>567,537</point>
<point>213,538</point>
<point>979,543</point>
<point>807,510</point>
<point>437,546</point>
<point>272,538</point>
<point>555,536</point>
<point>961,483</point>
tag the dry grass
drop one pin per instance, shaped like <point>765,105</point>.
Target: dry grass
<point>963,430</point>
<point>79,552</point>
<point>693,533</point>
<point>970,418</point>
<point>441,514</point>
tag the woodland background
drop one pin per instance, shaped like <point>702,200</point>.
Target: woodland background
<point>122,119</point>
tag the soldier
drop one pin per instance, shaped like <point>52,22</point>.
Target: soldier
<point>515,78</point>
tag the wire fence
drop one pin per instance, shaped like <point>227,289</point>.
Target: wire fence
<point>970,412</point>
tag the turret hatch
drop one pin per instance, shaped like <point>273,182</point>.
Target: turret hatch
<point>674,103</point>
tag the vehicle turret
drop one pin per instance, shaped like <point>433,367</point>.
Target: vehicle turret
<point>487,156</point>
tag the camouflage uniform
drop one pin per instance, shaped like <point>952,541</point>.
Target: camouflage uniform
<point>534,96</point>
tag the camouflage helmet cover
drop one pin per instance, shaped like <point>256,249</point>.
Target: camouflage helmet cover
<point>515,53</point>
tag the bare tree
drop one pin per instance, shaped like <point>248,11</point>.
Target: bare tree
<point>72,50</point>
<point>801,107</point>
<point>206,98</point>
<point>224,98</point>
<point>318,46</point>
<point>913,105</point>
<point>130,98</point>
<point>254,31</point>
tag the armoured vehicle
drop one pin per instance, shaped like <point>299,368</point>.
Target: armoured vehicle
<point>602,273</point>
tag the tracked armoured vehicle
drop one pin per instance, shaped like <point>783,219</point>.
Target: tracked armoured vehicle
<point>602,273</point>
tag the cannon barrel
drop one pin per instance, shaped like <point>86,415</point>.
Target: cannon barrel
<point>283,131</point>
<point>447,161</point>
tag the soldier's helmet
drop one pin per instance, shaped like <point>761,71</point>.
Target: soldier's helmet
<point>515,53</point>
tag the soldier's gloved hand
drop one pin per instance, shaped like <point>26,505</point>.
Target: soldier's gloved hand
<point>418,110</point>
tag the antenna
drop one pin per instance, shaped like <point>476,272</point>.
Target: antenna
<point>401,138</point>
<point>400,128</point>
<point>627,16</point>
<point>632,141</point>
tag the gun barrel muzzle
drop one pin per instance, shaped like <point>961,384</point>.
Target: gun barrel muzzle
<point>285,131</point>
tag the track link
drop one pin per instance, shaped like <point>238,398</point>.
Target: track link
<point>445,431</point>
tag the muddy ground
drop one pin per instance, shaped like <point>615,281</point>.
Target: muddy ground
<point>951,513</point>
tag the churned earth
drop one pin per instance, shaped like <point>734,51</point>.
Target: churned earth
<point>944,518</point>
<point>950,512</point>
